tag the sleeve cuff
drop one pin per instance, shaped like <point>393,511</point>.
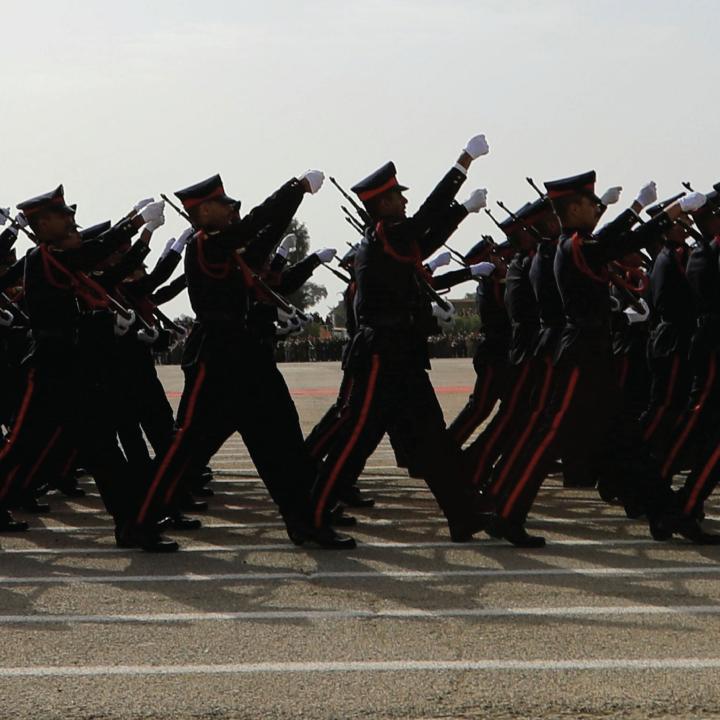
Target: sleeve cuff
<point>458,166</point>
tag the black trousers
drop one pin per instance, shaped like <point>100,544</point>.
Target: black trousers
<point>695,427</point>
<point>402,401</point>
<point>143,407</point>
<point>669,387</point>
<point>321,436</point>
<point>64,407</point>
<point>493,380</point>
<point>242,393</point>
<point>507,424</point>
<point>584,418</point>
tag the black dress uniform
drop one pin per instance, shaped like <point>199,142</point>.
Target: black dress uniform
<point>320,437</point>
<point>232,382</point>
<point>57,396</point>
<point>542,369</point>
<point>498,437</point>
<point>490,360</point>
<point>389,356</point>
<point>143,407</point>
<point>669,343</point>
<point>584,397</point>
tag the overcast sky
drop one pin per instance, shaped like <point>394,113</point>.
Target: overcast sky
<point>121,100</point>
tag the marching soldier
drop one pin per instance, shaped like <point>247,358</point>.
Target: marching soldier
<point>490,360</point>
<point>584,396</point>
<point>389,357</point>
<point>58,397</point>
<point>232,382</point>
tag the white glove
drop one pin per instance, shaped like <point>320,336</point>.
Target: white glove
<point>152,211</point>
<point>21,220</point>
<point>6,318</point>
<point>148,336</point>
<point>167,248</point>
<point>439,261</point>
<point>482,269</point>
<point>692,202</point>
<point>287,245</point>
<point>611,195</point>
<point>122,324</point>
<point>179,245</point>
<point>4,215</point>
<point>477,146</point>
<point>477,201</point>
<point>155,223</point>
<point>140,204</point>
<point>287,317</point>
<point>445,317</point>
<point>634,316</point>
<point>647,195</point>
<point>326,254</point>
<point>315,179</point>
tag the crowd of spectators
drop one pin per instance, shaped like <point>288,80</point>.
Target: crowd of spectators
<point>306,348</point>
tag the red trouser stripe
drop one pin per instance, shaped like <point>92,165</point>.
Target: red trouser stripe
<point>41,459</point>
<point>332,478</point>
<point>542,448</point>
<point>315,451</point>
<point>17,426</point>
<point>653,426</point>
<point>700,482</point>
<point>477,415</point>
<point>175,445</point>
<point>542,399</point>
<point>696,410</point>
<point>69,465</point>
<point>500,427</point>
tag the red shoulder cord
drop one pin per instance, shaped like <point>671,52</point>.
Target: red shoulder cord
<point>632,278</point>
<point>415,258</point>
<point>85,289</point>
<point>581,264</point>
<point>217,271</point>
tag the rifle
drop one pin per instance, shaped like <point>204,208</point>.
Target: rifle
<point>13,223</point>
<point>525,226</point>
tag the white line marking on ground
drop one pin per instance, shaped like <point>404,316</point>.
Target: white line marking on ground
<point>405,575</point>
<point>569,612</point>
<point>658,664</point>
<point>402,473</point>
<point>407,523</point>
<point>286,547</point>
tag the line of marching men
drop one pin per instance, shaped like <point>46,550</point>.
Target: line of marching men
<point>598,356</point>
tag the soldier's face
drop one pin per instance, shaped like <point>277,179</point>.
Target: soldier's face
<point>677,233</point>
<point>582,214</point>
<point>213,215</point>
<point>393,204</point>
<point>59,229</point>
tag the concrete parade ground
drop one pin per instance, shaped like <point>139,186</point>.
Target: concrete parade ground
<point>603,622</point>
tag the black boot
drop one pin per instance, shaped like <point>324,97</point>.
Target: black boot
<point>9,524</point>
<point>516,534</point>
<point>300,531</point>
<point>31,505</point>
<point>690,529</point>
<point>339,519</point>
<point>150,540</point>
<point>179,522</point>
<point>480,517</point>
<point>352,497</point>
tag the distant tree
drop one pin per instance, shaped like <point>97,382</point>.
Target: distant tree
<point>310,293</point>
